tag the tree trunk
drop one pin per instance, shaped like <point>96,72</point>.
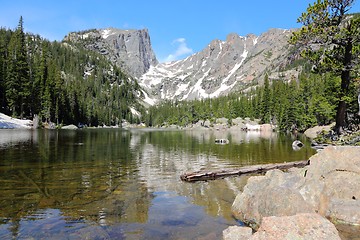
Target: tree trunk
<point>211,175</point>
<point>359,103</point>
<point>345,82</point>
<point>340,117</point>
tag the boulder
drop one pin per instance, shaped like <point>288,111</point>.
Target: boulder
<point>237,233</point>
<point>222,120</point>
<point>344,212</point>
<point>329,186</point>
<point>267,127</point>
<point>300,226</point>
<point>237,121</point>
<point>70,127</point>
<point>297,145</point>
<point>314,131</point>
<point>275,194</point>
<point>333,183</point>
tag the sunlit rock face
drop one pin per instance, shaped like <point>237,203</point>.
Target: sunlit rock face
<point>129,49</point>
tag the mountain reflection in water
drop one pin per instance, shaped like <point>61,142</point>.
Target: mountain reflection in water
<point>110,183</point>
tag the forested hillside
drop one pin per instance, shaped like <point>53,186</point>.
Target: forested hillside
<point>62,82</point>
<point>298,104</point>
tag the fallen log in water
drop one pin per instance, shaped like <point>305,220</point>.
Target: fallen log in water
<point>203,176</point>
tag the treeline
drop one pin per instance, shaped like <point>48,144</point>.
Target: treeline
<point>298,104</point>
<point>62,82</point>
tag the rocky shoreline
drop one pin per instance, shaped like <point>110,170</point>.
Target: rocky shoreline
<point>319,201</point>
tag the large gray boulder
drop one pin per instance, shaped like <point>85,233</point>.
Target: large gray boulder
<point>237,233</point>
<point>330,186</point>
<point>309,226</point>
<point>333,184</point>
<point>275,194</point>
<point>300,226</point>
<point>314,131</point>
<point>70,127</point>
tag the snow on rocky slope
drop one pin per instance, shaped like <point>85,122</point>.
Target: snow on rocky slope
<point>222,67</point>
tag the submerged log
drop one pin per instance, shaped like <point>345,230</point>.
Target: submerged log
<point>203,176</point>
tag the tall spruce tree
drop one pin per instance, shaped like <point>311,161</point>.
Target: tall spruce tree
<point>18,83</point>
<point>266,102</point>
<point>331,40</point>
<point>3,59</point>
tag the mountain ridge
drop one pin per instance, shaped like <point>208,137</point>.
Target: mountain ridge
<point>223,66</point>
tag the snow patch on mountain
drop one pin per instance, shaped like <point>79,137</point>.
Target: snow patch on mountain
<point>182,88</point>
<point>148,99</point>
<point>135,112</point>
<point>105,33</point>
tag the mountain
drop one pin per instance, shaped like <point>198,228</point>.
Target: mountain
<point>129,49</point>
<point>222,67</point>
<point>235,64</point>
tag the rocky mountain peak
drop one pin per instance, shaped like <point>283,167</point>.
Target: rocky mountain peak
<point>129,49</point>
<point>222,67</point>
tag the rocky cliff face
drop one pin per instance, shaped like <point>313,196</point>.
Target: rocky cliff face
<point>129,49</point>
<point>222,67</point>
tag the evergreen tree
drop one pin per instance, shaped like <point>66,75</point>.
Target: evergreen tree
<point>266,102</point>
<point>4,39</point>
<point>330,39</point>
<point>18,85</point>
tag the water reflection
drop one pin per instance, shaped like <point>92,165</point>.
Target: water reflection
<point>111,183</point>
<point>11,137</point>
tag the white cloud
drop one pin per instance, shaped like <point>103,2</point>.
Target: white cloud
<point>181,50</point>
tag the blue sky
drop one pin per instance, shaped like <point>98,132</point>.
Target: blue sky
<point>177,28</point>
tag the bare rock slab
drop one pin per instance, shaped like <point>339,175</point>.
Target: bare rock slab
<point>275,194</point>
<point>301,226</point>
<point>237,233</point>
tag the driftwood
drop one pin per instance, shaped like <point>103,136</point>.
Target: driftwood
<point>203,176</point>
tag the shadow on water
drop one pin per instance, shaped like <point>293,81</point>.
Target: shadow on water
<point>109,183</point>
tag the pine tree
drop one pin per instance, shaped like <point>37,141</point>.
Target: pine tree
<point>18,83</point>
<point>266,102</point>
<point>3,63</point>
<point>330,39</point>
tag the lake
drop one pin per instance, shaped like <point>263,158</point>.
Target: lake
<point>125,184</point>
